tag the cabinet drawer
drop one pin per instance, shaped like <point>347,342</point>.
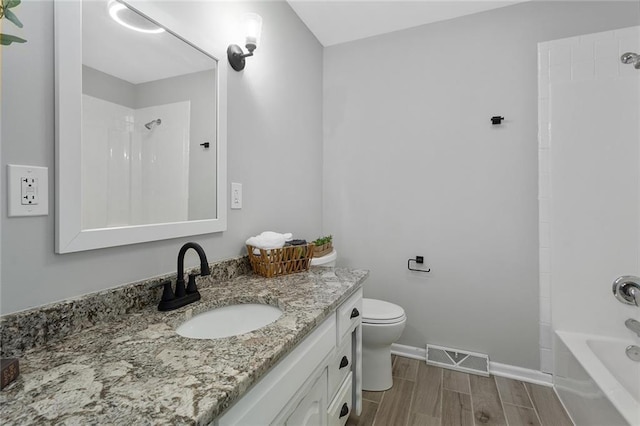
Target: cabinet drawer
<point>341,406</point>
<point>349,314</point>
<point>340,366</point>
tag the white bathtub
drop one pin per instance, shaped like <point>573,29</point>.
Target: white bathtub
<point>596,381</point>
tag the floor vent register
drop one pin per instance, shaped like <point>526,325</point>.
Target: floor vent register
<point>459,360</point>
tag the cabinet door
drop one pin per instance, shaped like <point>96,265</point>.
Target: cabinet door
<point>286,382</point>
<point>312,409</point>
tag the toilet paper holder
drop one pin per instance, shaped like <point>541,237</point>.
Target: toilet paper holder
<point>419,260</point>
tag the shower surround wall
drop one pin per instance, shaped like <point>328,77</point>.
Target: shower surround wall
<point>199,89</point>
<point>413,166</point>
<point>133,175</point>
<point>589,162</point>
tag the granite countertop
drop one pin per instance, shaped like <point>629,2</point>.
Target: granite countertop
<point>137,370</point>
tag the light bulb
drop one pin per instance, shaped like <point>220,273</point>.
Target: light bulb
<point>126,17</point>
<point>252,23</point>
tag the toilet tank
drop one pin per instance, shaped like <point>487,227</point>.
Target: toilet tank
<point>326,260</point>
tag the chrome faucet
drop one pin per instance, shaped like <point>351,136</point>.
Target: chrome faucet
<point>183,296</point>
<point>627,289</point>
<point>634,294</point>
<point>633,325</point>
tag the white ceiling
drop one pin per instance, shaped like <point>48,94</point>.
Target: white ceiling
<point>339,21</point>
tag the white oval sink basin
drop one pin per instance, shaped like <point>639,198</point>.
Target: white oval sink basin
<point>229,321</point>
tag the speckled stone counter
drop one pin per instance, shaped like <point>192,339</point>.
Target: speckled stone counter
<point>136,370</point>
<point>31,328</point>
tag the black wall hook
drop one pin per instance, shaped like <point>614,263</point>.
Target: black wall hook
<point>419,260</point>
<point>496,119</point>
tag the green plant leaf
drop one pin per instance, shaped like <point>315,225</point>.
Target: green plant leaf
<point>12,17</point>
<point>7,39</point>
<point>11,3</point>
<point>323,240</point>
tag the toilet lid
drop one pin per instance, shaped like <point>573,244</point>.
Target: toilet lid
<point>381,312</point>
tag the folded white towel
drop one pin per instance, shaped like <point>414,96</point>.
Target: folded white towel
<point>269,240</point>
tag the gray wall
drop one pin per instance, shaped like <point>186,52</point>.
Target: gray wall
<point>412,166</point>
<point>274,127</point>
<point>107,87</point>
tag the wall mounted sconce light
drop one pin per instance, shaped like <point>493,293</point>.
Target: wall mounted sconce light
<point>252,24</point>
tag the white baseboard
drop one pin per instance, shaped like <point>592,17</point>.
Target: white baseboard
<point>409,351</point>
<point>495,368</point>
<point>519,373</point>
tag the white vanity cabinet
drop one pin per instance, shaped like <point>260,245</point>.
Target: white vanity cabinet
<point>311,409</point>
<point>318,383</point>
<point>345,367</point>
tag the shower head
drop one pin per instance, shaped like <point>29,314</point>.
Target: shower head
<point>631,58</point>
<point>152,123</point>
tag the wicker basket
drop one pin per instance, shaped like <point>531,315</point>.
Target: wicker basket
<point>282,261</point>
<point>319,251</point>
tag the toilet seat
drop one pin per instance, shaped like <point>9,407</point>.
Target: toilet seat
<point>376,311</point>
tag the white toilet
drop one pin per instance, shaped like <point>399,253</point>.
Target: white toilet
<point>382,325</point>
<point>326,260</point>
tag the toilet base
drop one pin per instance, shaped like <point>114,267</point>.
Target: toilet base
<point>376,368</point>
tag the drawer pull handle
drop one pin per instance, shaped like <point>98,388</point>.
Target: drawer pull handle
<point>355,313</point>
<point>344,362</point>
<point>344,410</point>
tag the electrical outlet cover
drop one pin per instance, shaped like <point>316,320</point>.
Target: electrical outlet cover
<point>40,193</point>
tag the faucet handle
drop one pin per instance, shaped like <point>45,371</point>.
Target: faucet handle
<point>635,293</point>
<point>191,285</point>
<point>627,289</point>
<point>167,292</point>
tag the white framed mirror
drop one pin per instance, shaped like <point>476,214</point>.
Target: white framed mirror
<point>140,129</point>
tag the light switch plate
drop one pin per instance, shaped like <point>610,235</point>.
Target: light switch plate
<point>236,196</point>
<point>28,190</point>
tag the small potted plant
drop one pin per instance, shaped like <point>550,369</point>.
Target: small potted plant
<point>323,246</point>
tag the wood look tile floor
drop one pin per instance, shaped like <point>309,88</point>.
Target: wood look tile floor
<point>424,395</point>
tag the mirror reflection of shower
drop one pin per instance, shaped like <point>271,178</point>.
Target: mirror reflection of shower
<point>150,125</point>
<point>135,163</point>
<point>631,58</point>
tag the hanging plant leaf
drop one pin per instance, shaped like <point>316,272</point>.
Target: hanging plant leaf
<point>12,17</point>
<point>7,39</point>
<point>11,3</point>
